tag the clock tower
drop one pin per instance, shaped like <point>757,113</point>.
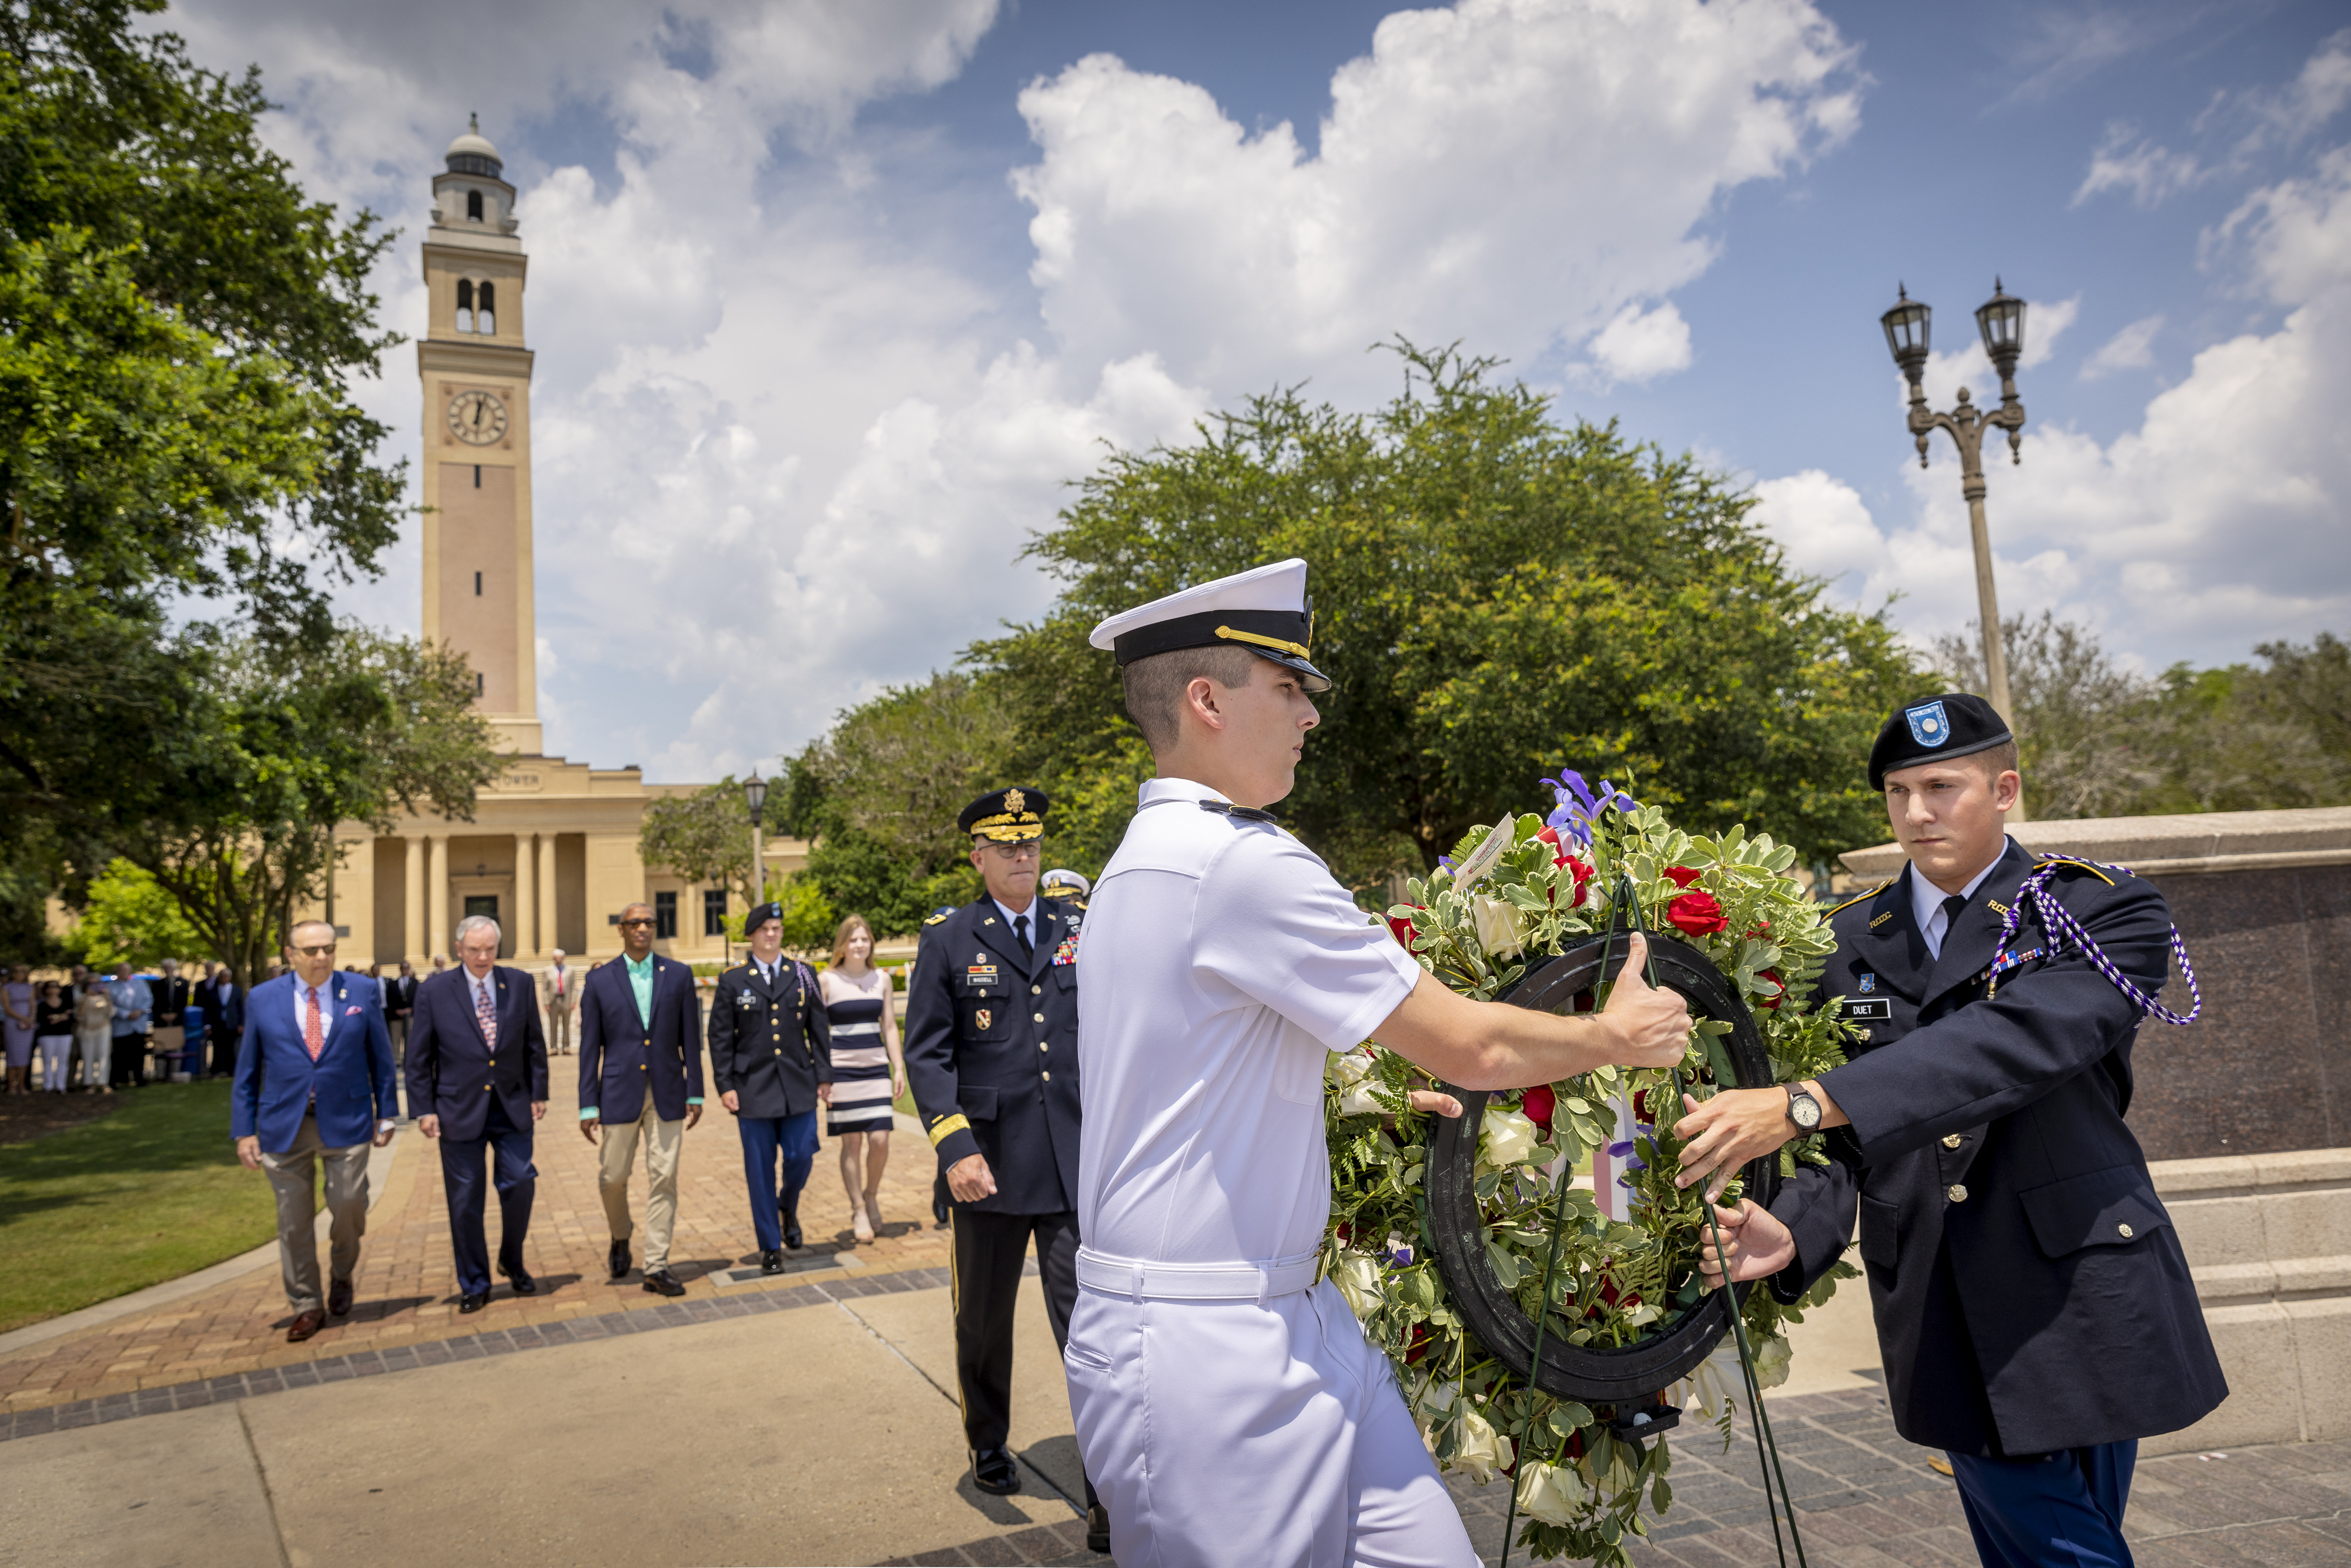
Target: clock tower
<point>477,472</point>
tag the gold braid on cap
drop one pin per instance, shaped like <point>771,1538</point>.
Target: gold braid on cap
<point>1275,643</point>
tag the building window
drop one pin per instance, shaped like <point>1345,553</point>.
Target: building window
<point>477,683</point>
<point>713,911</point>
<point>666,915</point>
<point>473,205</point>
<point>477,585</point>
<point>464,305</point>
<point>477,475</point>
<point>487,320</point>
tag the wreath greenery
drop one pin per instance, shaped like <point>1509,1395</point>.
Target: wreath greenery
<point>1512,895</point>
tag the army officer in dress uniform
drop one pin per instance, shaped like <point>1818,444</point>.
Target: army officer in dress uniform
<point>771,1057</point>
<point>992,1057</point>
<point>2033,1307</point>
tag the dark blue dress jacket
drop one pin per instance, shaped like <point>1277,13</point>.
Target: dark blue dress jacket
<point>277,1084</point>
<point>2029,1293</point>
<point>621,1056</point>
<point>452,1073</point>
<point>770,1043</point>
<point>992,1052</point>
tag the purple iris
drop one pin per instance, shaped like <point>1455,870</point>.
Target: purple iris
<point>1400,1255</point>
<point>1577,806</point>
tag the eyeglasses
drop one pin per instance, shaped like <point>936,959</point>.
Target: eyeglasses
<point>634,924</point>
<point>1026,850</point>
<point>326,951</point>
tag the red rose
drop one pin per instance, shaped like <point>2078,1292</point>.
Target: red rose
<point>1404,930</point>
<point>1418,1346</point>
<point>1641,1107</point>
<point>1695,915</point>
<point>1682,876</point>
<point>1772,1002</point>
<point>1580,869</point>
<point>1539,1104</point>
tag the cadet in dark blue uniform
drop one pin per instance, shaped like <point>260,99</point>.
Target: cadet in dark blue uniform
<point>992,1058</point>
<point>771,1057</point>
<point>2034,1310</point>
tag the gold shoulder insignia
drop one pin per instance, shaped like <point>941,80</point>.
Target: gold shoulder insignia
<point>2093,867</point>
<point>933,920</point>
<point>1856,898</point>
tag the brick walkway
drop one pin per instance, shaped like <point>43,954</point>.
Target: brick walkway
<point>406,1283</point>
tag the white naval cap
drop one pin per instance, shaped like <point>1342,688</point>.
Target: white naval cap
<point>1264,610</point>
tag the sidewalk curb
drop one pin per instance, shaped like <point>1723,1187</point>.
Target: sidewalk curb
<point>102,1312</point>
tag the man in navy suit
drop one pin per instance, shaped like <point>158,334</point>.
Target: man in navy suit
<point>313,1084</point>
<point>641,1079</point>
<point>224,1005</point>
<point>478,1081</point>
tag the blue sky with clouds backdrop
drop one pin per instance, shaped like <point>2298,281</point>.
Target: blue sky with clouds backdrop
<point>831,301</point>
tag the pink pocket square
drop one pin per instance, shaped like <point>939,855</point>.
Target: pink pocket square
<point>350,1012</point>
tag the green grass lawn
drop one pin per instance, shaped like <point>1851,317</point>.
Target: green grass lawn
<point>147,1193</point>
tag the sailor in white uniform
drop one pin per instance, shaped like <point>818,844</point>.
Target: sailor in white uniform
<point>1228,1407</point>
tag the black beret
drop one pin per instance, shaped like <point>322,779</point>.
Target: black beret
<point>760,914</point>
<point>1957,724</point>
<point>1007,816</point>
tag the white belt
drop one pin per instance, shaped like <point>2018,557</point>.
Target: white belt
<point>1140,1280</point>
<point>840,1028</point>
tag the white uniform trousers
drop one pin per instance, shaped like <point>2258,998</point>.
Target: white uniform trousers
<point>1219,1432</point>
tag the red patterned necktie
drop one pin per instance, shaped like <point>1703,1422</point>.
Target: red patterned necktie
<point>314,1032</point>
<point>485,1015</point>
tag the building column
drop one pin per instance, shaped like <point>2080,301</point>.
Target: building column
<point>525,932</point>
<point>436,900</point>
<point>411,906</point>
<point>548,941</point>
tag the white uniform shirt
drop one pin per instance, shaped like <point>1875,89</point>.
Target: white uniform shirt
<point>1221,963</point>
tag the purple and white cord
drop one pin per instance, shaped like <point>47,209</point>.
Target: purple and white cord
<point>2059,923</point>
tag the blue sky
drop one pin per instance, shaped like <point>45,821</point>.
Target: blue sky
<point>831,300</point>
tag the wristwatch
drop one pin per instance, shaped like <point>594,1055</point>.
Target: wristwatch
<point>1803,1110</point>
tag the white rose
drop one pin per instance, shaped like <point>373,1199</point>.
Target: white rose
<point>1496,924</point>
<point>1509,1136</point>
<point>1554,1494</point>
<point>1353,1074</point>
<point>1713,1386</point>
<point>1358,1278</point>
<point>1483,1450</point>
<point>1772,1355</point>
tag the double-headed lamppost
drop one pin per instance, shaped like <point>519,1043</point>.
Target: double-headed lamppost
<point>2000,319</point>
<point>755,796</point>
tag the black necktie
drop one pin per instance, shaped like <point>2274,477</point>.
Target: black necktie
<point>1951,907</point>
<point>1020,929</point>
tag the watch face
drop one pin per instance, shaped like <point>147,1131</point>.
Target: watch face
<point>1805,1110</point>
<point>477,418</point>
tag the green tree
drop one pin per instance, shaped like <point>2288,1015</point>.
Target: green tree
<point>1497,595</point>
<point>878,798</point>
<point>704,837</point>
<point>129,914</point>
<point>179,328</point>
<point>281,748</point>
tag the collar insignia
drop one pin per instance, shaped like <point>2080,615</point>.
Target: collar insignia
<point>1881,920</point>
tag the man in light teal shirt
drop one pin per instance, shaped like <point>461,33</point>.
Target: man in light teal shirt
<point>641,1080</point>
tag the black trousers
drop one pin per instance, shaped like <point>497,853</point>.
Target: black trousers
<point>128,1065</point>
<point>989,1250</point>
<point>224,1042</point>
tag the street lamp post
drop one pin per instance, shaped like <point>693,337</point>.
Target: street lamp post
<point>755,796</point>
<point>2001,319</point>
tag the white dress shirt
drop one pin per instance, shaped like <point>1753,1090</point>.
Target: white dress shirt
<point>1927,901</point>
<point>326,1006</point>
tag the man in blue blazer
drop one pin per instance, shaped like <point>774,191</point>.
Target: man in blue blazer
<point>641,1079</point>
<point>478,1081</point>
<point>313,1084</point>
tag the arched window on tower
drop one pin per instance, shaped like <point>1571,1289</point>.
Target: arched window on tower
<point>487,320</point>
<point>473,205</point>
<point>464,305</point>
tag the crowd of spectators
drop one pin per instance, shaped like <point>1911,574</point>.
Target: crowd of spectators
<point>95,1032</point>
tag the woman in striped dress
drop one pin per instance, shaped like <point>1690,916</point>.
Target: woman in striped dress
<point>868,1068</point>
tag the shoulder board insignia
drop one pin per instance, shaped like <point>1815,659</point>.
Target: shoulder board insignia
<point>934,919</point>
<point>1856,898</point>
<point>1881,920</point>
<point>2093,867</point>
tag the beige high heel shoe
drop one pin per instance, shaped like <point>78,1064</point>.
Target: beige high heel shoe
<point>860,1226</point>
<point>873,1208</point>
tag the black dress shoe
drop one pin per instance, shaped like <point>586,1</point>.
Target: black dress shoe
<point>792,1227</point>
<point>939,1211</point>
<point>524,1285</point>
<point>771,1261</point>
<point>1098,1529</point>
<point>662,1283</point>
<point>992,1470</point>
<point>339,1297</point>
<point>618,1260</point>
<point>473,1301</point>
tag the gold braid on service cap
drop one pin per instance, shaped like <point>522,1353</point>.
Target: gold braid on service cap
<point>1015,823</point>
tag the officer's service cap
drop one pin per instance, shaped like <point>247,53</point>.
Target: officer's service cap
<point>1957,724</point>
<point>760,915</point>
<point>1264,610</point>
<point>1007,816</point>
<point>1060,883</point>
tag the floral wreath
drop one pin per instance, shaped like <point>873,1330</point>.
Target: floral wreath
<point>1511,895</point>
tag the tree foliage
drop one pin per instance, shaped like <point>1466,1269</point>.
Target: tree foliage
<point>1495,594</point>
<point>129,914</point>
<point>705,837</point>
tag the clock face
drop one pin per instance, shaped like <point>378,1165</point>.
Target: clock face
<point>477,418</point>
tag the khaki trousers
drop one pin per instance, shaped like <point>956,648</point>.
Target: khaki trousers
<point>559,1027</point>
<point>291,1178</point>
<point>663,1140</point>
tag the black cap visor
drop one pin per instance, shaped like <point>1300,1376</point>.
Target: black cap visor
<point>1280,635</point>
